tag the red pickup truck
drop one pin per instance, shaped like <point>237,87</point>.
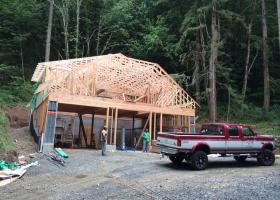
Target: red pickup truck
<point>225,139</point>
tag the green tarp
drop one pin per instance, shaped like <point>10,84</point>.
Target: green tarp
<point>6,165</point>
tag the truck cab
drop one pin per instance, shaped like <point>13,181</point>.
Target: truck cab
<point>225,139</point>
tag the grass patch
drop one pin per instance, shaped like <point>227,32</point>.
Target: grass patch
<point>6,143</point>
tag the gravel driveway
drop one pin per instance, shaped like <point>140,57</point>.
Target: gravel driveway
<point>136,175</point>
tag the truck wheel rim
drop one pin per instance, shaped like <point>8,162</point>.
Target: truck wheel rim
<point>267,158</point>
<point>201,161</point>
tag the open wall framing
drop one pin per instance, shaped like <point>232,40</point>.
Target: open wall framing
<point>115,87</point>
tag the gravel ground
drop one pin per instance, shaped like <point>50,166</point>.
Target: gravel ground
<point>136,175</point>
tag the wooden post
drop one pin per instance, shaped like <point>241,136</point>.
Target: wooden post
<point>92,127</point>
<point>160,126</point>
<point>83,128</point>
<point>189,124</point>
<point>132,131</point>
<point>150,125</point>
<point>155,126</point>
<point>116,126</point>
<point>80,127</point>
<point>144,128</point>
<point>111,132</point>
<point>107,118</point>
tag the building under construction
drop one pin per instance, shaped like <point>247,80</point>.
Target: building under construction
<point>75,98</point>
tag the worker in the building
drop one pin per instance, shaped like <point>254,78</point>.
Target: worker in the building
<point>146,140</point>
<point>103,140</point>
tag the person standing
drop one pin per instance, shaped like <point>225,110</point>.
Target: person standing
<point>103,140</point>
<point>146,140</point>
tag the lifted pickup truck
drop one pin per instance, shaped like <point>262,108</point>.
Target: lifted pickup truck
<point>226,139</point>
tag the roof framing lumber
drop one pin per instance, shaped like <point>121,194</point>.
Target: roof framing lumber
<point>114,81</point>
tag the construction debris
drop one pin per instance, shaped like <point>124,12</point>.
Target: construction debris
<point>22,160</point>
<point>12,171</point>
<point>8,165</point>
<point>55,158</point>
<point>61,152</point>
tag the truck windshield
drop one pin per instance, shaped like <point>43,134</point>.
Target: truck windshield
<point>212,129</point>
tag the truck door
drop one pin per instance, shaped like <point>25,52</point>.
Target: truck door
<point>248,138</point>
<point>233,144</point>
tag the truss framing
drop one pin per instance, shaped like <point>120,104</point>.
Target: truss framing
<point>115,78</point>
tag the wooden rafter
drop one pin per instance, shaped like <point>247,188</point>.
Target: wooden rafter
<point>113,76</point>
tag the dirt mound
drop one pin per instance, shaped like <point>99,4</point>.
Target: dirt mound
<point>9,156</point>
<point>24,145</point>
<point>23,140</point>
<point>18,117</point>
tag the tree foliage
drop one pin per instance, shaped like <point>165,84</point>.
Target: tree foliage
<point>174,33</point>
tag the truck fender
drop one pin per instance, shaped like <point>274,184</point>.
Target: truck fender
<point>268,146</point>
<point>201,146</point>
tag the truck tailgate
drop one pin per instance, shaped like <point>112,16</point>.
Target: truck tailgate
<point>167,141</point>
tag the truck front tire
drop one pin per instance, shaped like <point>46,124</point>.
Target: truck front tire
<point>199,160</point>
<point>176,159</point>
<point>266,157</point>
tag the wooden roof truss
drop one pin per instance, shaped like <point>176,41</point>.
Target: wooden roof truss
<point>112,76</point>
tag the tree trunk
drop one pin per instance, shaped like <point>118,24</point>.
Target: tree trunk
<point>65,23</point>
<point>265,61</point>
<point>247,63</point>
<point>213,63</point>
<point>49,32</point>
<point>203,63</point>
<point>78,2</point>
<point>278,13</point>
<point>228,109</point>
<point>64,10</point>
<point>197,67</point>
<point>98,37</point>
<point>21,58</point>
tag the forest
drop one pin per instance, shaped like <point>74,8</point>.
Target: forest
<point>224,53</point>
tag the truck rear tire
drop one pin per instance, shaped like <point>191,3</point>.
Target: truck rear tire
<point>266,157</point>
<point>176,159</point>
<point>199,160</point>
<point>240,158</point>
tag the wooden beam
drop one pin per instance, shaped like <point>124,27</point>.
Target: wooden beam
<point>155,126</point>
<point>111,132</point>
<point>104,103</point>
<point>139,98</point>
<point>189,124</point>
<point>150,125</point>
<point>139,139</point>
<point>92,128</point>
<point>107,118</point>
<point>83,128</point>
<point>116,127</point>
<point>132,131</point>
<point>100,91</point>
